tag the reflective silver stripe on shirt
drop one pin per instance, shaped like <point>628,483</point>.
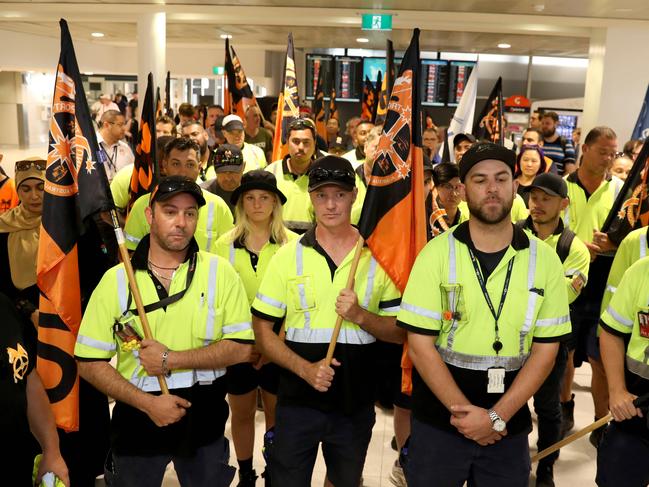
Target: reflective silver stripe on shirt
<point>299,269</point>
<point>131,238</point>
<point>391,309</point>
<point>210,224</point>
<point>426,313</point>
<point>270,301</point>
<point>618,186</point>
<point>566,217</point>
<point>211,293</point>
<point>232,253</point>
<point>122,289</point>
<point>348,336</point>
<point>611,289</point>
<point>620,319</point>
<point>643,246</point>
<point>637,367</point>
<point>237,327</point>
<point>553,321</point>
<point>531,299</point>
<point>178,380</point>
<point>370,283</point>
<point>99,345</point>
<point>481,362</point>
<point>452,279</point>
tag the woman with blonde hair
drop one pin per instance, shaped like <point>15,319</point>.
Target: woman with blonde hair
<point>258,233</point>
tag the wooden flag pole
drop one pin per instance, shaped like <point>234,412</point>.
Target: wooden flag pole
<point>350,285</point>
<point>123,251</point>
<point>569,439</point>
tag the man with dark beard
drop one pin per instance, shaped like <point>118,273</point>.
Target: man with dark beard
<point>485,308</point>
<point>557,147</point>
<point>195,131</point>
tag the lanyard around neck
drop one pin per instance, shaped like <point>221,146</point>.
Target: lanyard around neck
<point>497,344</point>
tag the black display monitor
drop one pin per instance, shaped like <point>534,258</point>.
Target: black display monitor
<point>433,82</point>
<point>319,65</point>
<point>458,77</point>
<point>349,78</point>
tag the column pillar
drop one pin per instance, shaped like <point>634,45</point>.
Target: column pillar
<point>616,80</point>
<point>151,51</point>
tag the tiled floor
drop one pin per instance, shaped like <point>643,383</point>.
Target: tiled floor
<point>576,467</point>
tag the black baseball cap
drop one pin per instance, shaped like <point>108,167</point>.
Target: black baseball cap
<point>460,137</point>
<point>173,185</point>
<point>549,183</point>
<point>483,151</point>
<point>331,170</point>
<point>257,179</point>
<point>227,158</point>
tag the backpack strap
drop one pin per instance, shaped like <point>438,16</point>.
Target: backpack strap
<point>564,243</point>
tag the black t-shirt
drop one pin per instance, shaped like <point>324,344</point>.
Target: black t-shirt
<point>17,361</point>
<point>213,187</point>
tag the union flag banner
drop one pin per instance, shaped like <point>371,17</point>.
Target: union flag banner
<point>631,208</point>
<point>145,166</point>
<point>333,108</point>
<point>385,85</point>
<point>288,104</point>
<point>228,67</point>
<point>369,102</point>
<point>76,188</point>
<point>158,103</point>
<point>319,106</point>
<point>240,92</point>
<point>489,124</point>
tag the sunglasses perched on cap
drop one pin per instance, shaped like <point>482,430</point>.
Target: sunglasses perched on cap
<point>320,174</point>
<point>301,124</point>
<point>26,165</point>
<point>173,185</point>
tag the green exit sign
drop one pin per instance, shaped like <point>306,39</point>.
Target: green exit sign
<point>377,21</point>
<point>218,70</point>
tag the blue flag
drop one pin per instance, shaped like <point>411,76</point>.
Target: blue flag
<point>641,129</point>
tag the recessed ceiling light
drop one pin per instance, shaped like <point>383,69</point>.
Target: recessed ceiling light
<point>362,40</point>
<point>226,36</point>
<point>504,45</point>
<point>97,34</point>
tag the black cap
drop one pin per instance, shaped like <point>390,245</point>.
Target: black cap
<point>549,183</point>
<point>483,151</point>
<point>331,170</point>
<point>257,179</point>
<point>228,158</point>
<point>173,185</point>
<point>460,137</point>
<point>232,122</point>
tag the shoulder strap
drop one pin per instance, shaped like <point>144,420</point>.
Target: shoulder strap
<point>520,224</point>
<point>564,243</point>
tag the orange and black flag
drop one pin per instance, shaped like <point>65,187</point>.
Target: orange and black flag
<point>76,187</point>
<point>489,125</point>
<point>319,107</point>
<point>386,85</point>
<point>145,167</point>
<point>158,103</point>
<point>228,67</point>
<point>333,108</point>
<point>368,105</point>
<point>240,92</point>
<point>168,110</point>
<point>288,104</point>
<point>631,208</point>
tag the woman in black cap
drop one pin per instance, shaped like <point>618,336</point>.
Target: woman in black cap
<point>259,232</point>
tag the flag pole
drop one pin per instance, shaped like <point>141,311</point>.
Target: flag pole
<point>137,297</point>
<point>350,285</point>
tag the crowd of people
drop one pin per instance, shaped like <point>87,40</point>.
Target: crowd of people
<point>242,263</point>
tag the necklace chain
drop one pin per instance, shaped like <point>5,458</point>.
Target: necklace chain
<point>160,276</point>
<point>163,268</point>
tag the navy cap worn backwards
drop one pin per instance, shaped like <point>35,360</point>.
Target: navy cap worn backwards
<point>549,183</point>
<point>483,151</point>
<point>173,185</point>
<point>331,170</point>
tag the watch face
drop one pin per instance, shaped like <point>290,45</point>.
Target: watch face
<point>499,426</point>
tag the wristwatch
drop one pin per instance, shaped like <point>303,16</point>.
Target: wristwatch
<point>497,423</point>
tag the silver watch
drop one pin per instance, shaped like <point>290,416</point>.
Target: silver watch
<point>497,423</point>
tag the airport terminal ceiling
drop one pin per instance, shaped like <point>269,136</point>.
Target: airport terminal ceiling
<point>531,27</point>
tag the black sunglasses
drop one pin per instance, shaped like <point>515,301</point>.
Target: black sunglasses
<point>174,185</point>
<point>301,124</point>
<point>320,174</point>
<point>26,165</point>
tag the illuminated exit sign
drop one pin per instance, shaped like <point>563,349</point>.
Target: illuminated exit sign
<point>376,21</point>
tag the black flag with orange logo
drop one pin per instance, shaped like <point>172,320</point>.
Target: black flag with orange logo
<point>240,91</point>
<point>228,68</point>
<point>489,125</point>
<point>145,167</point>
<point>288,104</point>
<point>369,102</point>
<point>76,187</point>
<point>333,108</point>
<point>631,208</point>
<point>319,106</point>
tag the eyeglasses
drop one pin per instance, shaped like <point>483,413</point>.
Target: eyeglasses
<point>26,165</point>
<point>451,187</point>
<point>320,174</point>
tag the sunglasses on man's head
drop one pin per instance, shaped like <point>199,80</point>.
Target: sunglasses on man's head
<point>26,165</point>
<point>320,174</point>
<point>301,124</point>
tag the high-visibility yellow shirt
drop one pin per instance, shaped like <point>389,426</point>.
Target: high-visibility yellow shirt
<point>632,248</point>
<point>577,263</point>
<point>214,308</point>
<point>120,185</point>
<point>585,214</point>
<point>214,219</point>
<point>240,258</point>
<point>298,210</point>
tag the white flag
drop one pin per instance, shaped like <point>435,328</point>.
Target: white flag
<point>462,121</point>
